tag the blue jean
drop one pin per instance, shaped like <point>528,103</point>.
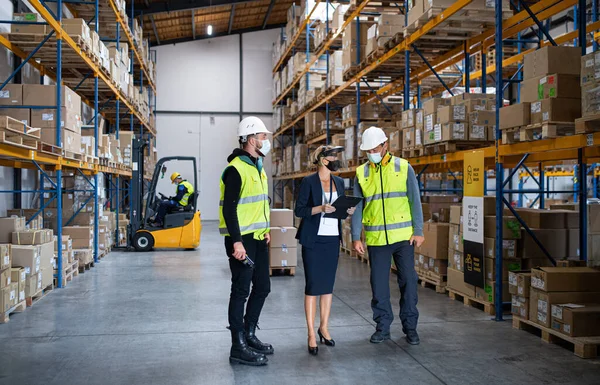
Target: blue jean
<point>164,208</point>
<point>381,260</point>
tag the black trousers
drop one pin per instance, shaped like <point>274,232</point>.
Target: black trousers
<point>242,276</point>
<point>164,208</point>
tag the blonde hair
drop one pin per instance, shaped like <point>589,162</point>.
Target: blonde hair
<point>314,157</point>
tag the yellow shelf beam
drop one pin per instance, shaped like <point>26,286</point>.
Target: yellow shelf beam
<point>290,47</point>
<point>127,31</point>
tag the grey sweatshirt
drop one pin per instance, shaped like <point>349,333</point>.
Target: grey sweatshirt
<point>414,198</point>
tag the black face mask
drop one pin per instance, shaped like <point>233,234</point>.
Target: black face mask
<point>333,165</point>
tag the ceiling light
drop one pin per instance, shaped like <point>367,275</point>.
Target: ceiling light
<point>209,29</point>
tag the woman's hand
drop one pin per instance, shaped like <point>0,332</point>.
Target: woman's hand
<point>328,209</point>
<point>351,210</point>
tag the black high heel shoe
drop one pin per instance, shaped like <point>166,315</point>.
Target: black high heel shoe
<point>312,350</point>
<point>327,342</point>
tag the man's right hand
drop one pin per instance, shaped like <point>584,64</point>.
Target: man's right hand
<point>359,247</point>
<point>239,252</point>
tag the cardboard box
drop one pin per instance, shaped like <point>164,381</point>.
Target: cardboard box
<point>449,114</point>
<point>395,141</point>
<point>483,118</point>
<point>552,60</point>
<point>19,277</point>
<point>70,141</point>
<point>509,248</point>
<point>283,237</point>
<point>576,320</point>
<point>436,240</point>
<point>9,225</point>
<point>6,299</point>
<point>84,255</point>
<point>11,95</point>
<point>29,29</point>
<point>428,131</point>
<point>540,303</point>
<point>488,292</point>
<point>5,256</point>
<point>507,266</point>
<point>477,133</point>
<point>520,306</point>
<point>23,115</point>
<point>560,86</point>
<point>455,238</point>
<point>565,279</point>
<point>456,214</point>
<point>543,219</point>
<point>554,241</point>
<point>593,218</point>
<point>27,257</point>
<point>511,227</point>
<point>42,95</point>
<point>438,266</point>
<point>555,110</point>
<point>452,131</point>
<point>5,278</point>
<point>282,218</point>
<point>455,260</point>
<point>516,115</point>
<point>283,257</point>
<point>456,281</point>
<point>431,106</point>
<point>531,90</point>
<point>573,244</point>
<point>520,282</point>
<point>31,237</point>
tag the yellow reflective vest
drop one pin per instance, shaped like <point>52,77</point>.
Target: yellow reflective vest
<point>253,205</point>
<point>386,213</point>
<point>189,191</point>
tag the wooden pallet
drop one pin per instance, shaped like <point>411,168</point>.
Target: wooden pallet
<point>18,308</point>
<point>467,300</point>
<point>587,124</point>
<point>437,282</point>
<point>350,72</point>
<point>48,148</point>
<point>70,272</point>
<point>511,135</point>
<point>546,130</point>
<point>412,152</point>
<point>84,267</point>
<point>282,271</point>
<point>72,155</point>
<point>446,147</point>
<point>30,301</point>
<point>584,347</point>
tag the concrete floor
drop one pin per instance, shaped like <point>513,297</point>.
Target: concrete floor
<point>160,318</point>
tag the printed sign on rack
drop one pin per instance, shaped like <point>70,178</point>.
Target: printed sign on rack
<point>473,218</point>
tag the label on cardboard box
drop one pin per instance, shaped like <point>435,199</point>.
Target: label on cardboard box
<point>477,132</point>
<point>5,94</point>
<point>437,133</point>
<point>536,107</point>
<point>429,123</point>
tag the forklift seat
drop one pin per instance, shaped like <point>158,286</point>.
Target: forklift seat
<point>191,203</point>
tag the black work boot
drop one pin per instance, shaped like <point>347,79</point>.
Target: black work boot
<point>242,354</point>
<point>254,343</point>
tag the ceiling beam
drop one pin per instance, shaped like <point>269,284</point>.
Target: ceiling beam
<point>194,24</point>
<point>182,5</point>
<point>204,37</point>
<point>231,16</point>
<point>268,14</point>
<point>154,28</point>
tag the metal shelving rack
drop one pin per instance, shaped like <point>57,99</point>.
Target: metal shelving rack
<point>500,157</point>
<point>91,86</point>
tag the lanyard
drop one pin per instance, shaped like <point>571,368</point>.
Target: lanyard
<point>330,191</point>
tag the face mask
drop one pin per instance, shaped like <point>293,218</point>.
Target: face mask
<point>266,147</point>
<point>375,158</point>
<point>333,165</point>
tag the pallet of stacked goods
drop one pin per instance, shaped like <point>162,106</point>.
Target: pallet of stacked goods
<point>590,101</point>
<point>411,124</point>
<point>12,300</point>
<point>564,304</point>
<point>593,231</point>
<point>551,89</point>
<point>352,53</point>
<point>283,248</point>
<point>379,35</point>
<point>70,264</point>
<point>83,244</point>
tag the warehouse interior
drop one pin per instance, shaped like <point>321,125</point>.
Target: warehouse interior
<point>97,286</point>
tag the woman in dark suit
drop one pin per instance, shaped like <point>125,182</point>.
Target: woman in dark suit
<point>320,238</point>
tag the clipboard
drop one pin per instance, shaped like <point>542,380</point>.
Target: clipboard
<point>342,204</point>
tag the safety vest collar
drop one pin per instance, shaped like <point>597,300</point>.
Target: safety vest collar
<point>258,165</point>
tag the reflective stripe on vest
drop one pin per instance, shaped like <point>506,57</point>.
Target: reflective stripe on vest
<point>386,214</point>
<point>253,204</point>
<point>190,190</point>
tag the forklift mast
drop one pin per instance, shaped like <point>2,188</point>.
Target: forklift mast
<point>137,185</point>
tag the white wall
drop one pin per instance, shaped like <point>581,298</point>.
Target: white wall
<point>205,76</point>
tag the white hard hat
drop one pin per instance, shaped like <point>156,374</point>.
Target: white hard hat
<point>372,137</point>
<point>252,125</point>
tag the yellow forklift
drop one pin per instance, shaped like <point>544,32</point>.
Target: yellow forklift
<point>181,228</point>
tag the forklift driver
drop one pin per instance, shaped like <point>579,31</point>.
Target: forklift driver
<point>184,190</point>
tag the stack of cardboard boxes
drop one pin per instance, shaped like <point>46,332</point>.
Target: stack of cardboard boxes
<point>283,247</point>
<point>352,55</point>
<point>83,242</point>
<point>520,288</point>
<point>550,92</point>
<point>561,295</point>
<point>431,259</point>
<point>388,25</point>
<point>593,230</point>
<point>412,129</point>
<point>9,287</point>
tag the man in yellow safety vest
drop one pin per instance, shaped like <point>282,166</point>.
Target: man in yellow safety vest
<point>245,221</point>
<point>393,222</point>
<point>184,190</point>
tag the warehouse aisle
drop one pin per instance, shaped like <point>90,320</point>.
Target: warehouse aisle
<point>159,318</point>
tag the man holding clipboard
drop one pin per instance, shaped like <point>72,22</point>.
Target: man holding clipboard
<point>393,222</point>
